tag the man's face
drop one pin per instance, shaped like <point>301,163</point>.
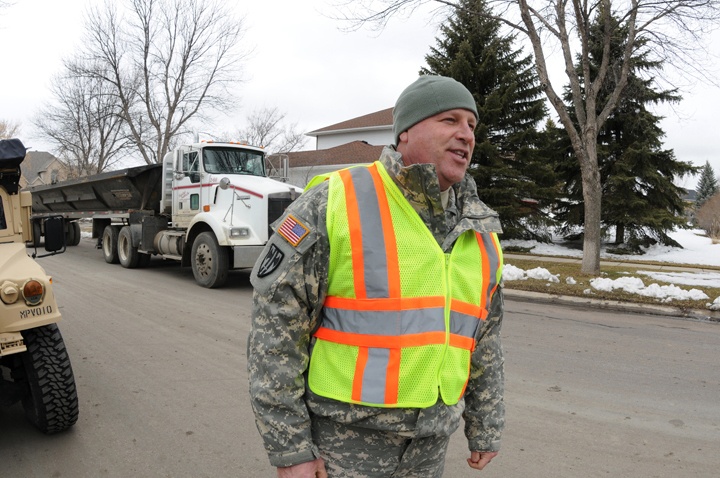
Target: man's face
<point>446,140</point>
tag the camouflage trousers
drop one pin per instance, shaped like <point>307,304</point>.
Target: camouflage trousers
<point>356,452</point>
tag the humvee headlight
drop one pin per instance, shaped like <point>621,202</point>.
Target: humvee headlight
<point>33,291</point>
<point>9,292</point>
<point>239,232</point>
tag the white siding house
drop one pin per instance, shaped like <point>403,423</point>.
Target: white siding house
<point>374,129</point>
<point>356,141</point>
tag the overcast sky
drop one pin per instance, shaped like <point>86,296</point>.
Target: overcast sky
<point>301,63</point>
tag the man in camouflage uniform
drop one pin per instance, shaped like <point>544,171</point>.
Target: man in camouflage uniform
<point>306,434</point>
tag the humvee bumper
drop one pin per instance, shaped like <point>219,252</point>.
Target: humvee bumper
<point>11,343</point>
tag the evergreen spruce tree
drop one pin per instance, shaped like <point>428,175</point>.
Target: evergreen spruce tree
<point>640,200</point>
<point>707,185</point>
<point>511,176</point>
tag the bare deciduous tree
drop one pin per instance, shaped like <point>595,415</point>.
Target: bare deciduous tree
<point>665,30</point>
<point>9,129</point>
<point>83,125</point>
<point>166,61</point>
<point>266,128</point>
<point>708,217</point>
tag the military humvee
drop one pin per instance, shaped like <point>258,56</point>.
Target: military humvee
<point>34,364</point>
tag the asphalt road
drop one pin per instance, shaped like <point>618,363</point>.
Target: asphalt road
<point>160,368</point>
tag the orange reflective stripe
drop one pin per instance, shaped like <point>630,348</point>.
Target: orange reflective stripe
<point>355,234</point>
<point>392,379</point>
<point>467,309</point>
<point>391,255</point>
<point>397,303</point>
<point>467,343</point>
<point>359,372</point>
<point>383,341</point>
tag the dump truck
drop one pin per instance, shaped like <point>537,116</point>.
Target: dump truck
<point>209,206</point>
<point>35,366</point>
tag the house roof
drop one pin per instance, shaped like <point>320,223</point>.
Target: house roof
<point>35,163</point>
<point>351,153</point>
<point>379,120</point>
<point>690,195</point>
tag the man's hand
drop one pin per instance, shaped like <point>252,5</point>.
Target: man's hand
<point>478,459</point>
<point>310,469</point>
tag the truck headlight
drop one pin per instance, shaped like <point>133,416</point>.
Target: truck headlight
<point>9,292</point>
<point>239,232</point>
<point>33,292</point>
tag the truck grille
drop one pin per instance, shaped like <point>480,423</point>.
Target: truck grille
<point>276,208</point>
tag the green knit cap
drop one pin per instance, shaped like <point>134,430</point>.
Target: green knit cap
<point>426,97</point>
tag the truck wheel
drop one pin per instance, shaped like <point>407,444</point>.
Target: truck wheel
<point>209,261</point>
<point>70,234</point>
<point>77,233</point>
<point>37,233</point>
<point>110,244</point>
<point>127,254</point>
<point>51,403</point>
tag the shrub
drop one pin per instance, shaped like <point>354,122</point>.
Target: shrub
<point>708,217</point>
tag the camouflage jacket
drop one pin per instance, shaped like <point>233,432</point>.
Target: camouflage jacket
<point>290,281</point>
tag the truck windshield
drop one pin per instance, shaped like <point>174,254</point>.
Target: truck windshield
<point>219,160</point>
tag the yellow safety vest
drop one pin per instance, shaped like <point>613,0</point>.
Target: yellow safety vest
<point>399,323</point>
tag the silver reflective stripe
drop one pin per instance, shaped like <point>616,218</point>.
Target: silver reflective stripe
<point>463,324</point>
<point>374,376</point>
<point>373,239</point>
<point>494,264</point>
<point>392,323</point>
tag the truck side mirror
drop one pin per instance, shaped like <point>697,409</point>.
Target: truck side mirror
<point>194,177</point>
<point>54,234</point>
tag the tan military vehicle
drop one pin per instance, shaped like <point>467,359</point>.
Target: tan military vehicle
<point>34,364</point>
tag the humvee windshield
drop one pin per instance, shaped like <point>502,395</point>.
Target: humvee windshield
<point>3,223</point>
<point>218,160</point>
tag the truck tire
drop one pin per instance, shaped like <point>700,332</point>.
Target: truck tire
<point>77,233</point>
<point>127,254</point>
<point>51,402</point>
<point>69,234</point>
<point>110,244</point>
<point>73,234</point>
<point>37,233</point>
<point>209,261</point>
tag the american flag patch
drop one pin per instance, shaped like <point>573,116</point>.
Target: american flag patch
<point>292,230</point>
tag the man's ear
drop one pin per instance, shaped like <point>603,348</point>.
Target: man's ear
<point>403,137</point>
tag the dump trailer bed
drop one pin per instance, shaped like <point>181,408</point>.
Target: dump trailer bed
<point>116,192</point>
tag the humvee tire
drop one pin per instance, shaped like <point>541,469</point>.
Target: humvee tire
<point>51,402</point>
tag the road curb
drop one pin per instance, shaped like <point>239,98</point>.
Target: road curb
<point>648,309</point>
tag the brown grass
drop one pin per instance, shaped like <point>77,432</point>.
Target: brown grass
<point>566,270</point>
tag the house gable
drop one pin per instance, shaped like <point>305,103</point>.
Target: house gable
<point>374,128</point>
<point>40,168</point>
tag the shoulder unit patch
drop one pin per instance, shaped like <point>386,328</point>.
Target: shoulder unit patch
<point>271,261</point>
<point>293,230</point>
